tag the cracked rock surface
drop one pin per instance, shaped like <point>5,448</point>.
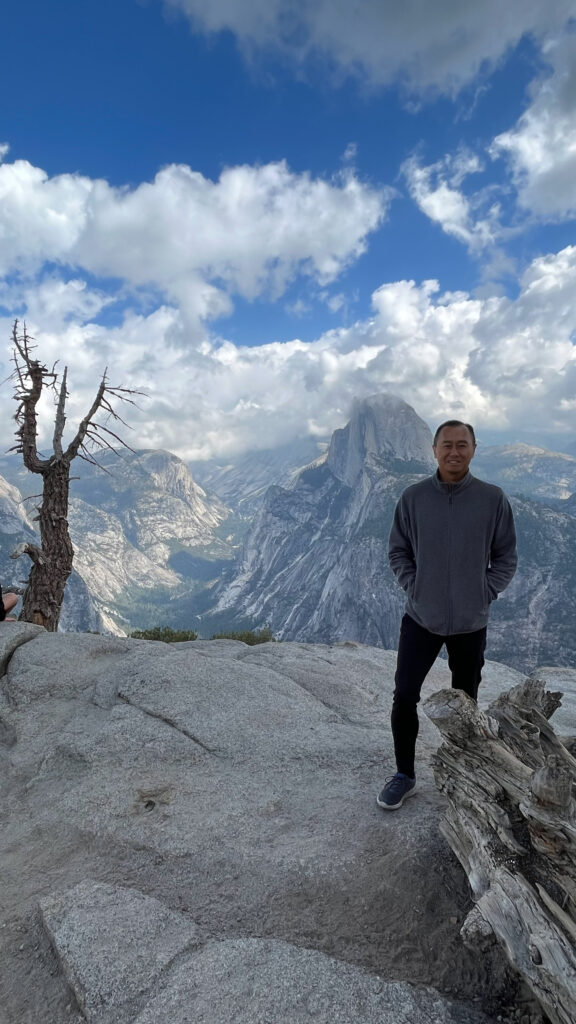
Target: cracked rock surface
<point>189,832</point>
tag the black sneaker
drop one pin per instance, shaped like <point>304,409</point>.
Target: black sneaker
<point>397,789</point>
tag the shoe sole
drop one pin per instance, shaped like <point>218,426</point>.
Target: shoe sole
<point>394,807</point>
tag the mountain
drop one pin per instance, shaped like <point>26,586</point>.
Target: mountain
<point>156,499</point>
<point>527,470</point>
<point>154,547</point>
<point>385,430</point>
<point>143,532</point>
<point>314,565</point>
<point>569,505</point>
<point>242,481</point>
<point>534,622</point>
<point>117,573</point>
<point>145,535</point>
<point>79,611</point>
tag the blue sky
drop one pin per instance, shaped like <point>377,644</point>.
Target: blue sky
<point>237,209</point>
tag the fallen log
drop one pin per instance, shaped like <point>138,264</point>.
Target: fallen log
<point>511,821</point>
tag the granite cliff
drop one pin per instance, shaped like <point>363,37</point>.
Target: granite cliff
<point>314,565</point>
<point>144,534</point>
<point>189,832</point>
<point>153,547</point>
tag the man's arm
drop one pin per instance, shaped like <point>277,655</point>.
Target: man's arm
<point>503,556</point>
<point>400,551</point>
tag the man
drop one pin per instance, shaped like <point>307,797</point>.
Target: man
<point>453,549</point>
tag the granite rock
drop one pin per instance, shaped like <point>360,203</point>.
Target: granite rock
<point>233,787</point>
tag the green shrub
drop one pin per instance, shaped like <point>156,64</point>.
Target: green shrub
<point>248,636</point>
<point>165,634</point>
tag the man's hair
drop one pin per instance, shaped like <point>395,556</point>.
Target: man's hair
<point>455,423</point>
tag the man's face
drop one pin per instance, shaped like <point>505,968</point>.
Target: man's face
<point>453,452</point>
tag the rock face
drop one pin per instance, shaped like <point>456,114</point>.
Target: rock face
<point>141,528</point>
<point>156,500</point>
<point>528,470</point>
<point>315,565</point>
<point>153,548</point>
<point>100,932</point>
<point>112,567</point>
<point>79,611</point>
<point>535,619</point>
<point>383,428</point>
<point>190,831</point>
<point>242,481</point>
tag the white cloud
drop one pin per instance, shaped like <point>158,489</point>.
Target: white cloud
<point>502,364</point>
<point>54,301</point>
<point>191,245</point>
<point>336,302</point>
<point>441,45</point>
<point>542,146</point>
<point>473,220</point>
<point>298,308</point>
<point>197,241</point>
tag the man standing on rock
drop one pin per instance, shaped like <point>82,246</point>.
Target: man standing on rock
<point>453,549</point>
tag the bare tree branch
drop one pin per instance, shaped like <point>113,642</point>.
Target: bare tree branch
<point>98,428</point>
<point>30,376</point>
<point>32,550</point>
<point>60,419</point>
<point>76,441</point>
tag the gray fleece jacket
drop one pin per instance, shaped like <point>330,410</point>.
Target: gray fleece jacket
<point>453,549</point>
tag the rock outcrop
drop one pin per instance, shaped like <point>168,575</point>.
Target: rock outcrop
<point>189,831</point>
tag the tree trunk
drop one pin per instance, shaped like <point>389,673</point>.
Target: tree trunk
<point>45,591</point>
<point>511,821</point>
<point>52,562</point>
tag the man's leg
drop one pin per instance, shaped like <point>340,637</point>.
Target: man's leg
<point>417,652</point>
<point>466,660</point>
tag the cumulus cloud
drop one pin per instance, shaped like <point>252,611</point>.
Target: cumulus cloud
<point>437,189</point>
<point>541,153</point>
<point>197,241</point>
<point>173,253</point>
<point>441,46</point>
<point>504,364</point>
<point>182,247</point>
<point>541,148</point>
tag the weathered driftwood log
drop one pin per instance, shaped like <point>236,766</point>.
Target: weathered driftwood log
<point>511,821</point>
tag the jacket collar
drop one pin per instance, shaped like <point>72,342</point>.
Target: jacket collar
<point>448,488</point>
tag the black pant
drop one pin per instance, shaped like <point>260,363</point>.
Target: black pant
<point>417,652</point>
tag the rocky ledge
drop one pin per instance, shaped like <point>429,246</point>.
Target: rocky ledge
<point>189,832</point>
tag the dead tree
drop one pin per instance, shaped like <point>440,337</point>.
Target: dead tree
<point>511,821</point>
<point>52,560</point>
